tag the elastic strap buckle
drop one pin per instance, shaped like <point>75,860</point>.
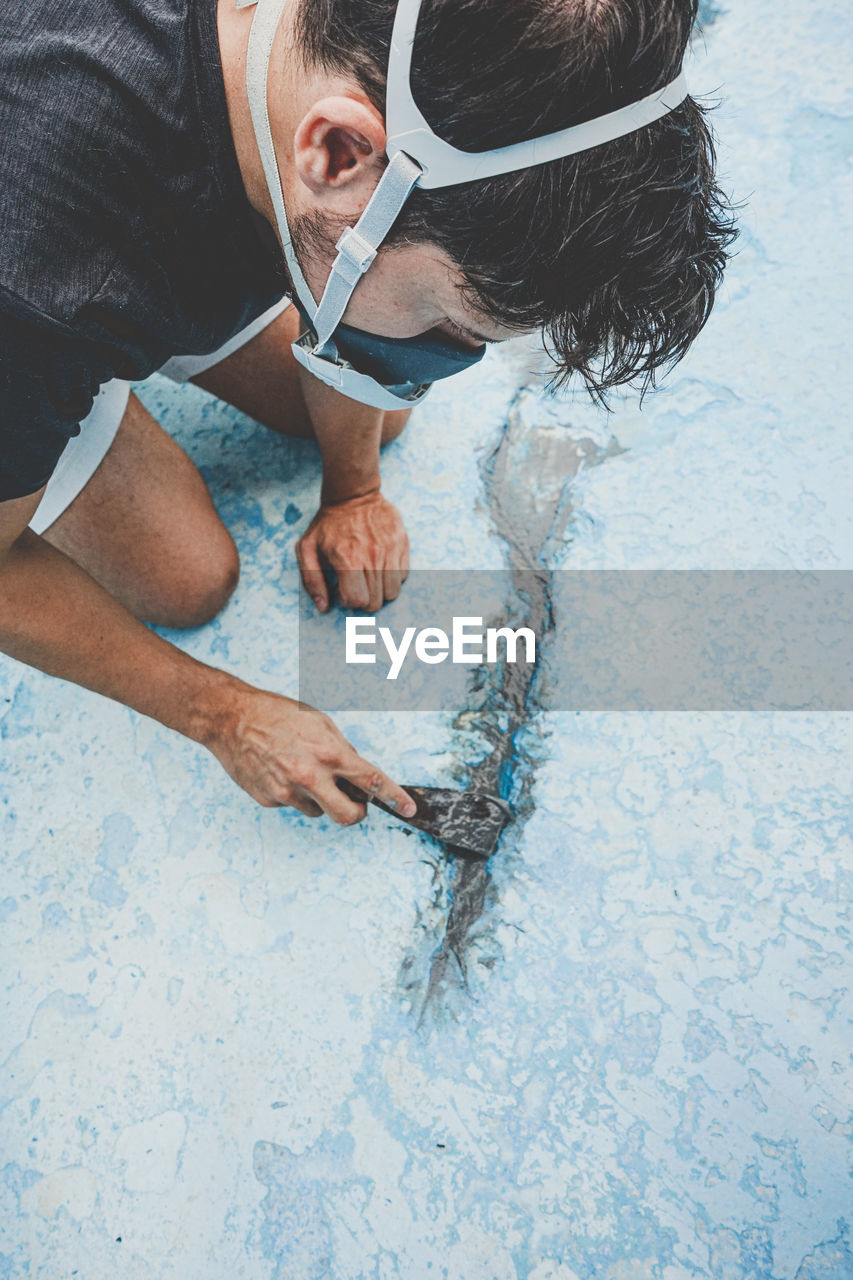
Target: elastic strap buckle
<point>358,252</point>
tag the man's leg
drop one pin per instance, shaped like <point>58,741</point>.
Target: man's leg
<point>262,379</point>
<point>144,526</point>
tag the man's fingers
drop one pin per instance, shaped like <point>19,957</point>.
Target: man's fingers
<point>353,592</point>
<point>312,573</point>
<point>305,805</point>
<point>377,785</point>
<point>375,589</point>
<point>339,807</point>
<point>392,581</point>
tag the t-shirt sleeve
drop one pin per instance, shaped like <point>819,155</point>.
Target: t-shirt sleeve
<point>48,382</point>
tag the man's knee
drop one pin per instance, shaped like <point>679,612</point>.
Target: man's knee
<point>393,423</point>
<point>206,583</point>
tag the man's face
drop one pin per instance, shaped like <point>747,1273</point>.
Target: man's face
<point>410,290</point>
<point>335,151</point>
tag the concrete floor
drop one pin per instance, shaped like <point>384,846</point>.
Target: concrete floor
<point>223,1054</point>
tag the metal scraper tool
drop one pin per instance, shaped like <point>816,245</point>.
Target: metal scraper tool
<point>469,822</point>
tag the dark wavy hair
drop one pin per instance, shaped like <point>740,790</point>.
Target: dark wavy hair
<point>616,252</point>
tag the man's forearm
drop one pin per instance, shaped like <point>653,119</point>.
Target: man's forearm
<point>54,616</point>
<point>348,435</point>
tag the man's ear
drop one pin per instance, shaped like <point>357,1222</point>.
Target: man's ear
<point>337,145</point>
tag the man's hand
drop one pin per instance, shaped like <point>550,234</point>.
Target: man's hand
<point>285,753</point>
<point>363,539</point>
<point>356,531</point>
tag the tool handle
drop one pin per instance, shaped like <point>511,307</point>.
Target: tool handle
<point>350,789</point>
<point>361,797</point>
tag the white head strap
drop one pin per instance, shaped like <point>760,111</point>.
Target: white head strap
<point>446,166</point>
<point>416,156</point>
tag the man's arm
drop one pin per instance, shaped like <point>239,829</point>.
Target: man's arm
<point>54,616</point>
<point>356,530</point>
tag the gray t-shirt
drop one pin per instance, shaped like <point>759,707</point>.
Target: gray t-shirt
<point>125,231</point>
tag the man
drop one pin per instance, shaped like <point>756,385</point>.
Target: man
<point>143,214</point>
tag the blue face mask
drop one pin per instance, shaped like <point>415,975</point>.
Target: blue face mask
<point>404,367</point>
<point>401,362</point>
<point>395,373</point>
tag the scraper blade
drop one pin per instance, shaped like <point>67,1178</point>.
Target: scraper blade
<point>469,822</point>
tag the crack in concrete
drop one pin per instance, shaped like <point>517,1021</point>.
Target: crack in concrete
<point>527,480</point>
